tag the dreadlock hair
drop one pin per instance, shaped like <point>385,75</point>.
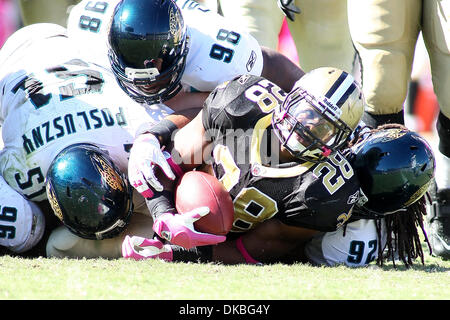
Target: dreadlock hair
<point>403,239</point>
<point>402,234</point>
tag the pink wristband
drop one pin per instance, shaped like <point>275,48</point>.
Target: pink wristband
<point>248,258</point>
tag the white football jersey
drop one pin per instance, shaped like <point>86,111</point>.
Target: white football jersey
<point>218,49</point>
<point>57,101</point>
<point>22,223</point>
<point>357,246</point>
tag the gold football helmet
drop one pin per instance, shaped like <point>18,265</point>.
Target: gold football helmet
<point>319,114</point>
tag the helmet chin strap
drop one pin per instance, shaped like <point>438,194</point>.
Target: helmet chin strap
<point>326,151</point>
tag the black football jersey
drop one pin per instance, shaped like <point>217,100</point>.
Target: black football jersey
<point>237,116</point>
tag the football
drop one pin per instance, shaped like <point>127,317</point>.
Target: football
<point>197,189</point>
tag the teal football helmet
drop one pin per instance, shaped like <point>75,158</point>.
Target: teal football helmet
<point>88,193</point>
<point>148,45</point>
<point>395,168</point>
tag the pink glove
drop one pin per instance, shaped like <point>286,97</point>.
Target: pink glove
<point>139,248</point>
<point>179,229</point>
<point>144,155</point>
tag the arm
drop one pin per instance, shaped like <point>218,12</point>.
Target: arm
<point>191,144</point>
<point>146,153</point>
<point>279,69</point>
<point>271,241</point>
<point>187,100</point>
<point>168,224</point>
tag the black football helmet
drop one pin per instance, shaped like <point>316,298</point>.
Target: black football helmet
<point>395,168</point>
<point>148,44</point>
<point>88,193</point>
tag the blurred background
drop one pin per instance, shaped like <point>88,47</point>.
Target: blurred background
<point>10,19</point>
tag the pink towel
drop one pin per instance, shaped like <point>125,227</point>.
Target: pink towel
<point>286,44</point>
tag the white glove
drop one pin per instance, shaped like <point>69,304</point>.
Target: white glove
<point>144,155</point>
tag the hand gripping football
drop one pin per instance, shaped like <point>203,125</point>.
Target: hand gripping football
<point>197,189</point>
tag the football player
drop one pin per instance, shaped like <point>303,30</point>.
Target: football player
<point>277,154</point>
<point>157,47</point>
<point>51,99</point>
<point>319,28</point>
<point>22,222</point>
<point>385,34</point>
<point>395,167</point>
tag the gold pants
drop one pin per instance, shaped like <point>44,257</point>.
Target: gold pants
<point>52,11</point>
<point>320,32</point>
<point>385,33</point>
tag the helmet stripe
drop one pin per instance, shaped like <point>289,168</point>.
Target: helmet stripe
<point>341,89</point>
<point>346,95</point>
<point>336,85</point>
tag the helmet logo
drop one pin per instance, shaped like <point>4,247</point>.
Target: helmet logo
<point>53,202</point>
<point>251,61</point>
<point>175,24</point>
<point>353,198</point>
<point>334,112</point>
<point>242,79</point>
<point>390,135</point>
<point>108,173</point>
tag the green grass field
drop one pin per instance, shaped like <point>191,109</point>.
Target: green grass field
<point>100,279</point>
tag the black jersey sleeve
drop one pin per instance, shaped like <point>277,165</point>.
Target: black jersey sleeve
<point>227,106</point>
